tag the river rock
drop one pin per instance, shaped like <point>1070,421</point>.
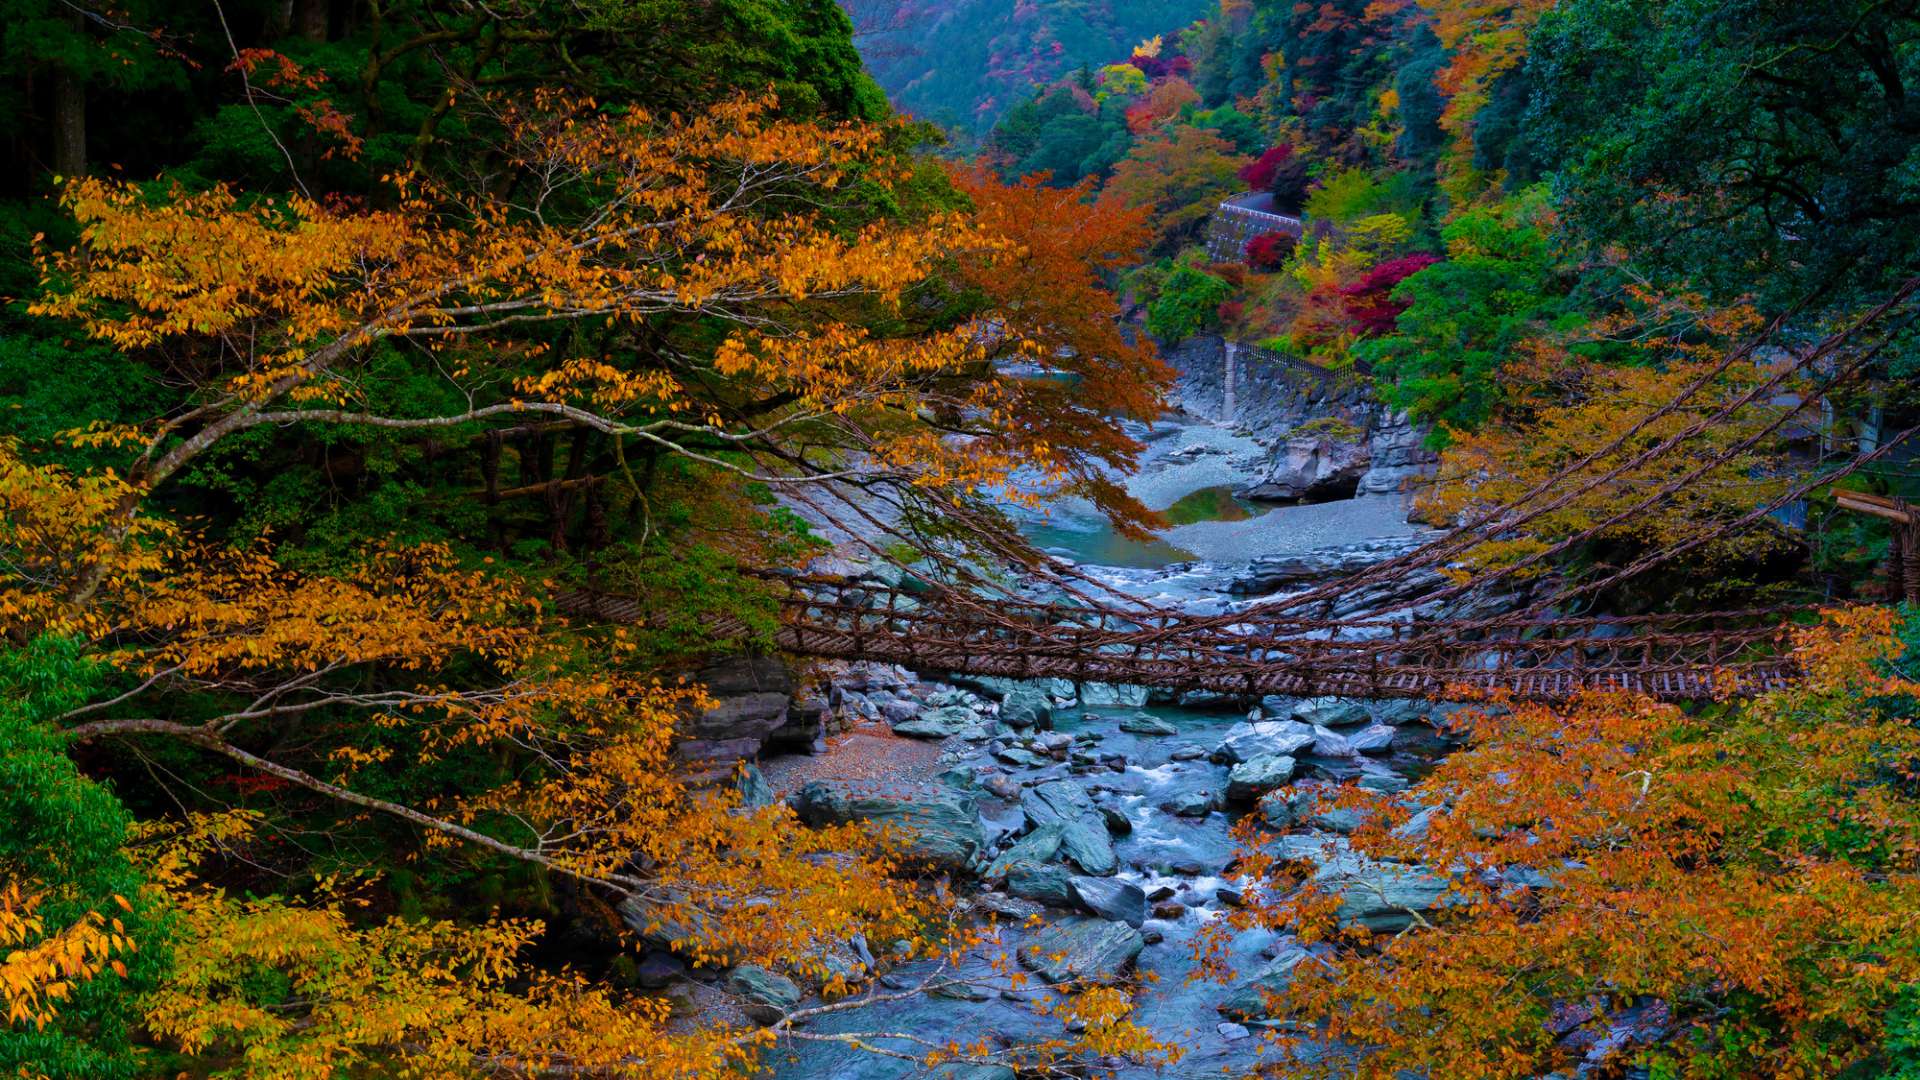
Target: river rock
<point>1048,883</point>
<point>941,825</point>
<point>1251,779</point>
<point>1146,724</point>
<point>1380,896</point>
<point>1276,809</point>
<point>1111,898</point>
<point>659,970</point>
<point>1190,804</point>
<point>1377,739</point>
<point>1021,757</point>
<point>1027,707</point>
<point>1042,845</point>
<point>1326,465</point>
<point>754,790</point>
<point>1248,1001</point>
<point>940,723</point>
<point>1064,808</point>
<point>764,995</point>
<point>1082,948</point>
<point>1331,714</point>
<point>1330,743</point>
<point>1250,739</point>
<point>1113,694</point>
<point>1086,844</point>
<point>1057,802</point>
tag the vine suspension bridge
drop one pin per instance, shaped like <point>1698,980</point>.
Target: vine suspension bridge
<point>1271,647</point>
<point>1670,657</point>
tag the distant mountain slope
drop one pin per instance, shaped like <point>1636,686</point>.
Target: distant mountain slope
<point>961,63</point>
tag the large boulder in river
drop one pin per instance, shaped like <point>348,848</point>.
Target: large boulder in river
<point>764,995</point>
<point>1027,707</point>
<point>1042,845</point>
<point>940,826</point>
<point>1146,724</point>
<point>1332,713</point>
<point>1251,779</point>
<point>1047,883</point>
<point>1111,898</point>
<point>1084,837</point>
<point>1381,896</point>
<point>1319,464</point>
<point>940,723</point>
<point>1083,949</point>
<point>1251,739</point>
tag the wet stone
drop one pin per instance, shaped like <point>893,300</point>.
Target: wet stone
<point>1082,948</point>
<point>1377,739</point>
<point>1332,714</point>
<point>940,723</point>
<point>1146,724</point>
<point>1048,884</point>
<point>1250,739</point>
<point>1111,898</point>
<point>765,997</point>
<point>1253,778</point>
<point>1190,804</point>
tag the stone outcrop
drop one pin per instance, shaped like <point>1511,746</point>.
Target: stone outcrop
<point>1360,447</point>
<point>1082,949</point>
<point>1319,466</point>
<point>939,827</point>
<point>753,701</point>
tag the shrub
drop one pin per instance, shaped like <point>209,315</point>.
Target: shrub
<point>1370,301</point>
<point>1270,250</point>
<point>1281,171</point>
<point>1189,302</point>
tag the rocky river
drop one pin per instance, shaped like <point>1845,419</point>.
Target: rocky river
<point>1105,811</point>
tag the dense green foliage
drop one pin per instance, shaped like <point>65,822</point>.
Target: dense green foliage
<point>1762,144</point>
<point>962,63</point>
<point>69,833</point>
<point>1189,302</point>
<point>1499,285</point>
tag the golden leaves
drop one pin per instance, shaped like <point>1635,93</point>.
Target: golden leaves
<point>41,970</point>
<point>1751,871</point>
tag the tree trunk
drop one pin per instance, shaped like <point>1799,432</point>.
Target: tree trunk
<point>312,18</point>
<point>69,124</point>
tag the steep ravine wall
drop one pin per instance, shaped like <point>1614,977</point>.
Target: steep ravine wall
<point>1329,436</point>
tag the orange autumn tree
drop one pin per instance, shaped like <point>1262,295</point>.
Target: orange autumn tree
<point>687,289</point>
<point>1051,281</point>
<point>1619,882</point>
<point>1178,176</point>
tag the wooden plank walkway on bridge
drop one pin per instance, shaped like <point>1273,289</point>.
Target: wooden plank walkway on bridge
<point>1671,658</point>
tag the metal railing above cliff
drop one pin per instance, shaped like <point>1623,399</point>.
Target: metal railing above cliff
<point>1243,217</point>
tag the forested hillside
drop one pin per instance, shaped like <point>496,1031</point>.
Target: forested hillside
<point>961,63</point>
<point>584,540</point>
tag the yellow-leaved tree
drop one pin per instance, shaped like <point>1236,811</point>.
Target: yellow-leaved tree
<point>704,317</point>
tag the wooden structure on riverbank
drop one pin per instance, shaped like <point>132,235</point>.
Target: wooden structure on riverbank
<point>1668,657</point>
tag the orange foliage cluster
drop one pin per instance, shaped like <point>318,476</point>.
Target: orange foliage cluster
<point>401,657</point>
<point>1750,872</point>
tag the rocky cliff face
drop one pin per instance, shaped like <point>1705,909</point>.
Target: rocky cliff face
<point>757,706</point>
<point>1329,437</point>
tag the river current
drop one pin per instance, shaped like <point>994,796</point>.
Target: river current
<point>1180,858</point>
